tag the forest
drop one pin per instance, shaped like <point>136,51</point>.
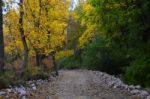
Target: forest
<point>39,37</point>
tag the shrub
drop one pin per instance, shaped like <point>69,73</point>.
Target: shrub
<point>47,63</point>
<point>139,72</point>
<point>71,62</point>
<point>6,79</point>
<point>91,55</point>
<point>99,56</point>
<point>65,53</point>
<point>34,72</point>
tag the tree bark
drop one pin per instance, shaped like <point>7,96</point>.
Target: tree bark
<point>1,38</point>
<point>38,59</point>
<point>37,25</point>
<point>54,63</point>
<point>25,61</point>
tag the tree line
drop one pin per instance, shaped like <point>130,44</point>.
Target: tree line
<point>111,36</point>
<point>106,35</point>
<point>32,31</point>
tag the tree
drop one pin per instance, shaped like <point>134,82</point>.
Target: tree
<point>80,28</point>
<point>1,38</point>
<point>22,34</point>
<point>13,43</point>
<point>46,22</point>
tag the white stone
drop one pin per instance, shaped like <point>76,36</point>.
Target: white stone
<point>126,86</point>
<point>110,84</point>
<point>135,91</point>
<point>138,87</point>
<point>131,87</point>
<point>23,97</point>
<point>143,94</point>
<point>34,88</point>
<point>2,93</point>
<point>8,90</point>
<point>32,84</point>
<point>20,90</point>
<point>148,97</point>
<point>115,87</point>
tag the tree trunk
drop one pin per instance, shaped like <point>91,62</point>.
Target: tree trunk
<point>54,63</point>
<point>25,61</point>
<point>38,59</point>
<point>1,39</point>
<point>37,25</point>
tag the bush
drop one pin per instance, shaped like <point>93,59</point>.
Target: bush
<point>99,56</point>
<point>34,72</point>
<point>91,55</point>
<point>61,54</point>
<point>71,62</point>
<point>6,79</point>
<point>139,72</point>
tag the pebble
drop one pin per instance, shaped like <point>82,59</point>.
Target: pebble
<point>32,84</point>
<point>34,87</point>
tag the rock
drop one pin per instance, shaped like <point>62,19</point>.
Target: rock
<point>2,93</point>
<point>39,82</point>
<point>126,86</point>
<point>115,86</point>
<point>7,96</point>
<point>21,90</point>
<point>131,87</point>
<point>32,84</point>
<point>23,97</point>
<point>148,97</point>
<point>138,87</point>
<point>143,94</point>
<point>47,97</point>
<point>8,90</point>
<point>110,84</point>
<point>34,87</point>
<point>135,91</point>
<point>109,81</point>
<point>121,87</point>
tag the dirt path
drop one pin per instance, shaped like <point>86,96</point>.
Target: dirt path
<point>77,85</point>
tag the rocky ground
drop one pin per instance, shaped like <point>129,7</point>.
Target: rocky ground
<point>76,84</point>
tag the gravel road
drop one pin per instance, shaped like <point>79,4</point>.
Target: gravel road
<point>78,84</point>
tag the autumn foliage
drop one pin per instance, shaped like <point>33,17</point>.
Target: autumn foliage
<point>42,36</point>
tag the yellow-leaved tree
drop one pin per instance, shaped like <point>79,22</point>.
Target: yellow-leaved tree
<point>86,17</point>
<point>45,25</point>
<point>13,45</point>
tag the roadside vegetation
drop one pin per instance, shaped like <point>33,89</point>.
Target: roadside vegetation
<point>38,37</point>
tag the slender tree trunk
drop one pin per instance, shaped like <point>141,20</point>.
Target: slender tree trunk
<point>54,63</point>
<point>1,38</point>
<point>38,62</point>
<point>37,25</point>
<point>25,61</point>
